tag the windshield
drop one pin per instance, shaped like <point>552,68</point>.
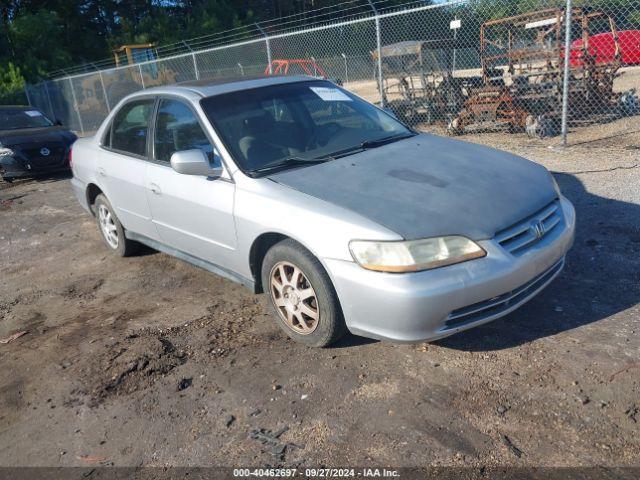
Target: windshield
<point>268,126</point>
<point>14,119</point>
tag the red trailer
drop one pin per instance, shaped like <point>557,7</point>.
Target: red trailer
<point>304,66</point>
<point>602,47</point>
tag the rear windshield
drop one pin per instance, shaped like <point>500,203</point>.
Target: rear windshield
<point>16,119</point>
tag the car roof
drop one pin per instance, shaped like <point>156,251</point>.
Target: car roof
<point>211,87</point>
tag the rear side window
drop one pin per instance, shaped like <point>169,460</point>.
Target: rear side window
<point>178,129</point>
<point>130,128</point>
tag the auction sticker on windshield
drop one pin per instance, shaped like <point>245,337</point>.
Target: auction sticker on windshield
<point>330,94</point>
<point>33,113</point>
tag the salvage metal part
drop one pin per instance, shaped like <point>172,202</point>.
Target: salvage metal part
<point>522,64</point>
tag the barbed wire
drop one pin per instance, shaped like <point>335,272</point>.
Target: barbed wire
<point>348,10</point>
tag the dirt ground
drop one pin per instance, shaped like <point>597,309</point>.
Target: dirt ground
<point>150,361</point>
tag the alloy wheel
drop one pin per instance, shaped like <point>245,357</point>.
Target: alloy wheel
<point>108,226</point>
<point>294,298</point>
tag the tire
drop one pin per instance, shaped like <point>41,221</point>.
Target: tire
<point>307,292</point>
<point>629,104</point>
<point>107,221</point>
<point>542,126</point>
<point>454,127</point>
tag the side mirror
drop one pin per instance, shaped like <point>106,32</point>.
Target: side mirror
<point>194,162</point>
<point>58,122</point>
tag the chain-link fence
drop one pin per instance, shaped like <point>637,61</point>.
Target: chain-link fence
<point>538,67</point>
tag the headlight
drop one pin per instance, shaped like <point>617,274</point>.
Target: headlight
<point>6,152</point>
<point>414,255</point>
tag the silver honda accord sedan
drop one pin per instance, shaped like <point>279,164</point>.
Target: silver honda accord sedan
<point>347,219</point>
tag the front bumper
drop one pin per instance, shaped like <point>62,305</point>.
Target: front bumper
<point>18,167</point>
<point>437,303</point>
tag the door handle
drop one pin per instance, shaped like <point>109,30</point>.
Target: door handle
<point>101,172</point>
<point>155,188</point>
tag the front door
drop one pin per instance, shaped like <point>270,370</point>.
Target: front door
<point>193,214</point>
<point>122,165</point>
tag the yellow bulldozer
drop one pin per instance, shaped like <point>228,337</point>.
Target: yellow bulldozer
<point>133,53</point>
<point>134,69</point>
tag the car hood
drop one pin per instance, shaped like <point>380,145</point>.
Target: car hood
<point>10,138</point>
<point>428,186</point>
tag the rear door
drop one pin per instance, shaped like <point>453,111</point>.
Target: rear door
<point>193,214</point>
<point>122,164</point>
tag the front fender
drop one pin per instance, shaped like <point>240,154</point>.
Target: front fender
<point>322,228</point>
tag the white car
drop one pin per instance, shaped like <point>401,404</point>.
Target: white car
<point>346,218</point>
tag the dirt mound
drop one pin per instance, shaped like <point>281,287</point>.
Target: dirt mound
<point>133,364</point>
<point>136,361</point>
<point>83,289</point>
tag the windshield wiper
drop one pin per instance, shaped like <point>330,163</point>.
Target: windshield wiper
<point>343,153</point>
<point>299,161</point>
<point>378,142</point>
<point>364,145</point>
<point>290,162</point>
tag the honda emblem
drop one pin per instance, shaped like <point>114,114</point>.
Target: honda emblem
<point>537,228</point>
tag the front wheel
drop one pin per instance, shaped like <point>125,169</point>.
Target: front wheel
<point>111,228</point>
<point>301,295</point>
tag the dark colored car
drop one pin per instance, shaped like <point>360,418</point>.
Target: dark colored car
<point>31,144</point>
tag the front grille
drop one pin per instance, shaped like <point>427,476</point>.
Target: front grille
<point>501,303</point>
<point>37,160</point>
<point>518,238</point>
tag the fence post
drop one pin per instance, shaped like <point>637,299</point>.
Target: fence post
<point>383,100</point>
<point>346,72</point>
<point>195,66</point>
<point>268,44</point>
<point>567,65</point>
<point>75,106</point>
<point>46,90</point>
<point>455,38</point>
<point>141,77</point>
<point>26,93</point>
<point>106,97</point>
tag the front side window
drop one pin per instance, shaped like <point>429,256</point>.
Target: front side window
<point>296,122</point>
<point>130,127</point>
<point>178,129</point>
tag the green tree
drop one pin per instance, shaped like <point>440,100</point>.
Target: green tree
<point>38,43</point>
<point>39,36</point>
<point>11,85</point>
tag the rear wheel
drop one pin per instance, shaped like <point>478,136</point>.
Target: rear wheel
<point>301,295</point>
<point>111,229</point>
